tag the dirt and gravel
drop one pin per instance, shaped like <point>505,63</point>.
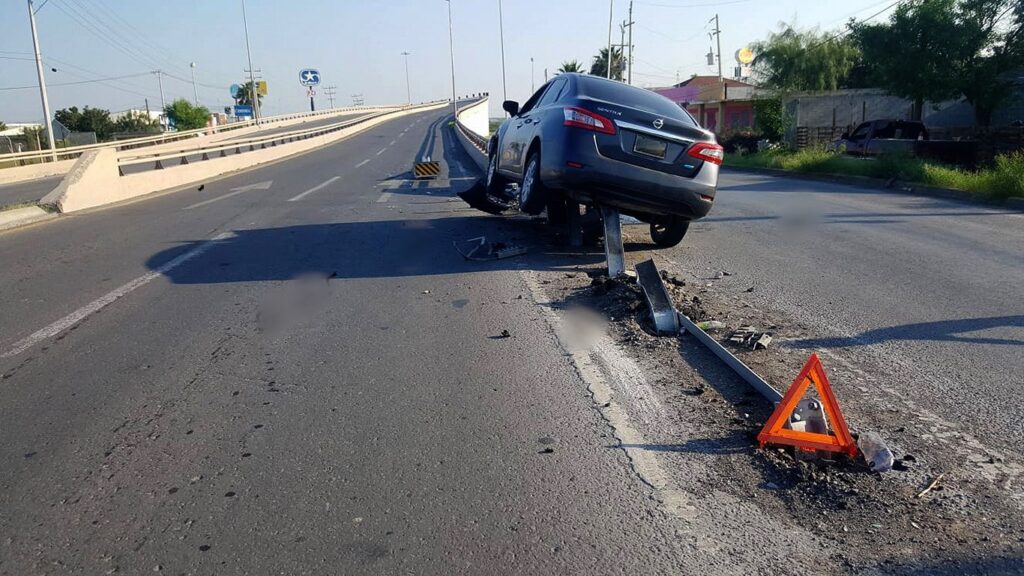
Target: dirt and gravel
<point>970,522</point>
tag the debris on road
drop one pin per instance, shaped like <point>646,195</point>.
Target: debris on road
<point>659,303</point>
<point>711,325</point>
<point>875,452</point>
<point>480,250</point>
<point>931,486</point>
<point>477,197</point>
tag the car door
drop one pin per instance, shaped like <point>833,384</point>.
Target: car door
<point>532,121</point>
<point>512,147</point>
<point>858,139</point>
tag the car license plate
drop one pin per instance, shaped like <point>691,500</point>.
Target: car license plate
<point>650,146</point>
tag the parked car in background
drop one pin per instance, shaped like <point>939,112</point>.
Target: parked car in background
<point>595,141</point>
<point>881,136</point>
<point>903,137</point>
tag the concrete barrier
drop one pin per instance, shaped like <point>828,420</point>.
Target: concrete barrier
<point>35,171</point>
<point>472,114</point>
<point>94,180</point>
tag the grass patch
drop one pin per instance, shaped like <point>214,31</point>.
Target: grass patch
<point>19,205</point>
<point>1004,179</point>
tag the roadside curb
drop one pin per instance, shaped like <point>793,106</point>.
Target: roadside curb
<point>23,216</point>
<point>895,186</point>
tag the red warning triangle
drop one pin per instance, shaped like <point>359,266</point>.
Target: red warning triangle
<point>775,433</point>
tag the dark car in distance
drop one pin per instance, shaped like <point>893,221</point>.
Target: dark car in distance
<point>600,142</point>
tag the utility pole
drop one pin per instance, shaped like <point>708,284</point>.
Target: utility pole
<point>163,102</point>
<point>532,87</point>
<point>501,34</point>
<point>330,91</point>
<point>718,35</point>
<point>252,72</point>
<point>451,50</point>
<point>622,47</point>
<point>630,81</point>
<point>408,90</point>
<point>608,58</point>
<point>195,91</point>
<point>42,84</point>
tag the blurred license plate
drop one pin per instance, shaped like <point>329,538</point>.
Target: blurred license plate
<point>650,146</point>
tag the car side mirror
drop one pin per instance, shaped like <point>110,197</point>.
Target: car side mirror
<point>510,106</point>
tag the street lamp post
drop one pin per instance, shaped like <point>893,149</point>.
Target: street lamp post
<point>532,86</point>
<point>501,35</point>
<point>608,59</point>
<point>252,72</point>
<point>195,91</point>
<point>451,50</point>
<point>42,84</point>
<point>408,90</point>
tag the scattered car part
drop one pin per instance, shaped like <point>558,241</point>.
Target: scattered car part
<point>664,315</point>
<point>480,250</point>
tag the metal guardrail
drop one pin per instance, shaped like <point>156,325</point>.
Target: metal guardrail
<point>252,144</point>
<point>167,137</point>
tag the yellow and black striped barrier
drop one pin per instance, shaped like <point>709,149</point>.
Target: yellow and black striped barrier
<point>428,169</point>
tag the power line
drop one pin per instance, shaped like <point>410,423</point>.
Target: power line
<point>33,86</point>
<point>700,5</point>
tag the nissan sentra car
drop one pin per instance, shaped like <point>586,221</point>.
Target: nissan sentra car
<point>601,142</point>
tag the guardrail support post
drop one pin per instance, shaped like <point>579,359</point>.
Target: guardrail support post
<point>613,250</point>
<point>206,156</point>
<point>158,166</point>
<point>574,222</point>
<point>184,161</point>
<point>223,153</point>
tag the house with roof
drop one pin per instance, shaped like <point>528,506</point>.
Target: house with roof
<point>719,104</point>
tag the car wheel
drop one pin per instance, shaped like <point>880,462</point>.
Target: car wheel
<point>495,182</point>
<point>532,195</point>
<point>668,231</point>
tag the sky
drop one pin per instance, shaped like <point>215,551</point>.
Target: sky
<point>357,44</point>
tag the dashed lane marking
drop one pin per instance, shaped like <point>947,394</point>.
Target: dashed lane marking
<point>212,200</point>
<point>320,186</point>
<point>381,151</point>
<point>363,163</point>
<point>109,298</point>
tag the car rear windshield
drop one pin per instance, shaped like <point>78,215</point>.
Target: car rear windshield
<point>633,97</point>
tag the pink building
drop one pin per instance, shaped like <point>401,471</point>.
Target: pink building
<point>720,105</point>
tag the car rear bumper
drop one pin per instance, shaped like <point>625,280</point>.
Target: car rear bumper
<point>630,188</point>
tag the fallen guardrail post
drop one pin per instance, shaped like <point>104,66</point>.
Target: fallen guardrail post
<point>663,313</point>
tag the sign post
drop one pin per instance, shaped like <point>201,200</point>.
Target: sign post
<point>310,78</point>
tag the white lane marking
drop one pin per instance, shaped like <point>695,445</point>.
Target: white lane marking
<point>363,163</point>
<point>212,200</point>
<point>108,299</point>
<point>392,143</point>
<point>320,186</point>
<point>384,197</point>
<point>381,151</point>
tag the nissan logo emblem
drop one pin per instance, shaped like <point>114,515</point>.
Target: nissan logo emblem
<point>659,123</point>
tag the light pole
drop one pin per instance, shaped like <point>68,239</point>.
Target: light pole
<point>42,84</point>
<point>163,103</point>
<point>451,50</point>
<point>532,88</point>
<point>501,35</point>
<point>608,59</point>
<point>408,90</point>
<point>195,91</point>
<point>252,73</point>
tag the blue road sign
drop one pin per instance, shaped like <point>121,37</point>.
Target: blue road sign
<point>243,110</point>
<point>309,77</point>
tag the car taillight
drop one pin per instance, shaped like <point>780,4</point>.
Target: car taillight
<point>707,152</point>
<point>588,120</point>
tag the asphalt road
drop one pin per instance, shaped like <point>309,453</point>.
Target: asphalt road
<point>31,191</point>
<point>928,292</point>
<point>299,377</point>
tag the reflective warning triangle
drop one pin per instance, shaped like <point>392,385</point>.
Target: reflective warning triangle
<point>774,431</point>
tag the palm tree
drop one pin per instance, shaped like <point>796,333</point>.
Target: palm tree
<point>570,66</point>
<point>600,65</point>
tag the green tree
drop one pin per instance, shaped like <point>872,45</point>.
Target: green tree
<point>35,138</point>
<point>600,65</point>
<point>570,66</point>
<point>770,118</point>
<point>184,116</point>
<point>2,126</point>
<point>136,122</point>
<point>790,60</point>
<point>934,50</point>
<point>87,120</point>
<point>245,95</point>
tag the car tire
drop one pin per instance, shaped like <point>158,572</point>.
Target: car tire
<point>532,194</point>
<point>495,183</point>
<point>668,231</point>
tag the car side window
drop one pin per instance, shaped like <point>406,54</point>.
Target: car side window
<point>532,102</point>
<point>552,94</point>
<point>861,132</point>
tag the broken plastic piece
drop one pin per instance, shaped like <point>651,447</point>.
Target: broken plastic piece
<point>875,452</point>
<point>479,249</point>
